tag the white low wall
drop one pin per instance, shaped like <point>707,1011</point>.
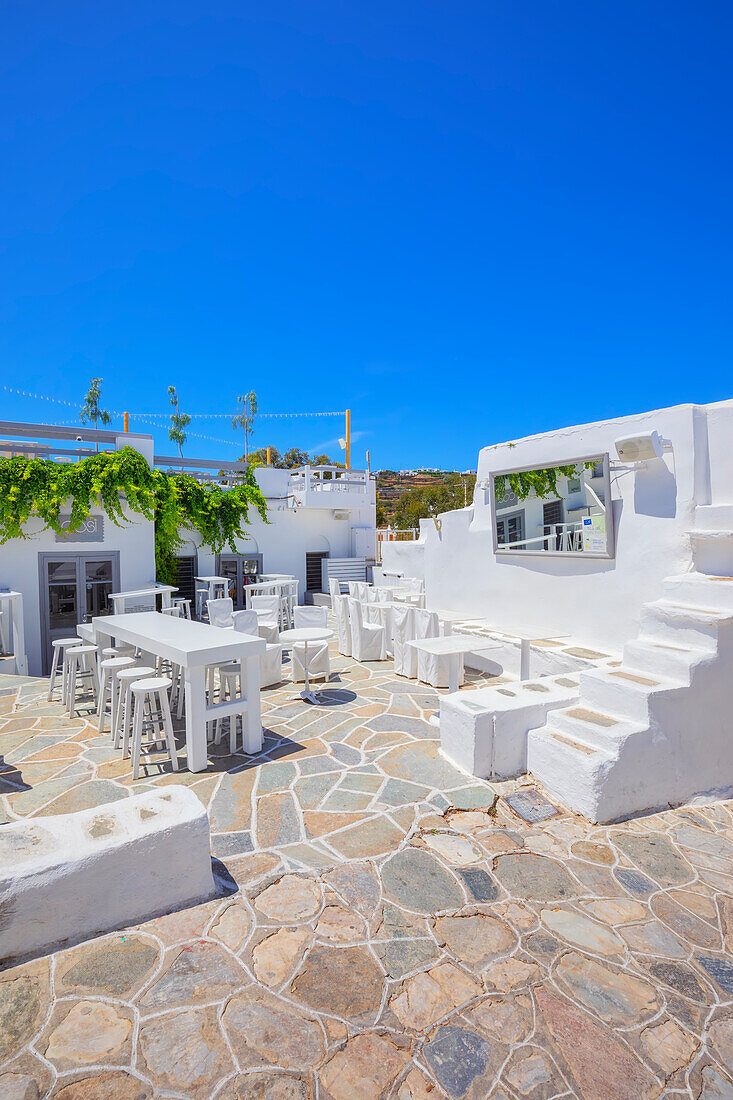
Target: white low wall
<point>65,878</point>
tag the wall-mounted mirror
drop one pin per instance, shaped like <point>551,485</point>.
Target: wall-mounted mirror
<point>558,509</point>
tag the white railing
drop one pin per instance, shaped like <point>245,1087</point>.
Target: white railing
<point>394,534</point>
<point>328,479</point>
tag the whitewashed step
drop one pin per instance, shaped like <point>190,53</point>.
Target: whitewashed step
<point>595,728</point>
<point>571,771</point>
<point>713,517</point>
<point>682,624</point>
<point>663,659</point>
<point>624,692</point>
<point>572,745</point>
<point>700,590</point>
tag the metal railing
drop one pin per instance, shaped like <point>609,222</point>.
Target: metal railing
<point>394,534</point>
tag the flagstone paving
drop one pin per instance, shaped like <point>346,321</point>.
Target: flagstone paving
<point>386,927</point>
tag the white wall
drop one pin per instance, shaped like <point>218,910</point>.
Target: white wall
<point>596,601</point>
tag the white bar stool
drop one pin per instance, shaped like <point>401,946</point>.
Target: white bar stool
<point>185,606</point>
<point>60,645</point>
<point>122,726</point>
<point>152,716</point>
<point>108,686</point>
<point>81,672</point>
<point>174,611</point>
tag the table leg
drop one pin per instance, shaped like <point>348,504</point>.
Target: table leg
<point>195,688</point>
<point>250,675</point>
<point>454,672</point>
<point>524,659</point>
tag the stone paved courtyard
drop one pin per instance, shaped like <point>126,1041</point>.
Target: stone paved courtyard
<point>386,927</point>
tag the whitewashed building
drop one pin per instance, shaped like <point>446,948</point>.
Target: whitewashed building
<point>316,515</point>
<point>638,607</point>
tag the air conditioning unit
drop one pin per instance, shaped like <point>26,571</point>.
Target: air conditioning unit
<point>639,448</point>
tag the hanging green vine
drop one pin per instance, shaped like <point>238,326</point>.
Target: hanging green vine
<point>543,482</point>
<point>122,482</point>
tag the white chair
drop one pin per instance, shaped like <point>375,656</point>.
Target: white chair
<point>271,661</point>
<point>368,641</point>
<point>431,668</point>
<point>122,725</point>
<point>263,627</point>
<point>109,688</point>
<point>220,612</point>
<point>354,589</point>
<point>319,664</point>
<point>152,717</point>
<point>334,587</point>
<point>60,645</point>
<point>341,610</point>
<point>403,629</point>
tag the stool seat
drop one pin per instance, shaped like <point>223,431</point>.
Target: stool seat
<point>152,683</point>
<point>122,726</point>
<point>152,716</point>
<point>117,662</point>
<point>60,645</point>
<point>135,672</point>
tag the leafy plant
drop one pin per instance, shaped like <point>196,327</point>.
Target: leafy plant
<point>179,422</point>
<point>122,482</point>
<point>90,409</point>
<point>543,482</point>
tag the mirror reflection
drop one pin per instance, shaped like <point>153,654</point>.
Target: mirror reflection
<point>559,509</point>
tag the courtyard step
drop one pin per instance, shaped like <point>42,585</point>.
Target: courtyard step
<point>663,659</point>
<point>683,624</point>
<point>624,691</point>
<point>594,728</point>
<point>700,590</point>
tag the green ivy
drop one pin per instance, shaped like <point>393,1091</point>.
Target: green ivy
<point>123,482</point>
<point>542,482</point>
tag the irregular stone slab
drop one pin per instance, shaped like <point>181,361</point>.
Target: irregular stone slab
<point>24,997</point>
<point>364,1068</point>
<point>476,940</point>
<point>634,882</point>
<point>534,877</point>
<point>656,857</point>
<point>315,765</point>
<point>415,1087</point>
<point>582,932</point>
<point>595,853</point>
<point>427,997</point>
<point>421,762</point>
<point>457,1057</point>
<point>653,938</point>
<point>684,923</point>
<point>508,1021</point>
<point>531,1072</point>
<point>275,956</point>
<point>511,973</point>
<point>232,927</point>
<point>678,976</point>
<point>714,1085</point>
<point>721,1036</point>
<point>184,1053</point>
<point>117,967</point>
<point>456,850</point>
<point>88,1032</point>
<point>614,995</point>
<point>401,957</point>
<point>109,1085</point>
<point>321,823</point>
<point>601,1064</point>
<point>339,925</point>
<point>414,879</point>
<point>344,981</point>
<point>613,911</point>
<point>263,1028</point>
<point>720,970</point>
<point>277,821</point>
<point>231,809</point>
<point>397,792</point>
<point>311,791</point>
<point>227,845</point>
<point>357,884</point>
<point>668,1045</point>
<point>194,974</point>
<point>275,776</point>
<point>264,1085</point>
<point>289,900</point>
<point>343,801</point>
<point>95,792</point>
<point>472,798</point>
<point>371,838</point>
<point>479,884</point>
<point>701,840</point>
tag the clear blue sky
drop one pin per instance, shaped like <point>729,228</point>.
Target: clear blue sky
<point>466,221</point>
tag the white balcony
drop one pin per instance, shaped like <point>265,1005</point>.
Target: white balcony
<point>331,487</point>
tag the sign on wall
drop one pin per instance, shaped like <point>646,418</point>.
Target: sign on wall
<point>91,530</point>
<point>594,534</point>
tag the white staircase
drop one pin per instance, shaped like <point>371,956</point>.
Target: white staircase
<point>658,728</point>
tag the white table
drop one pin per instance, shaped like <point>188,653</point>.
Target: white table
<point>305,634</point>
<point>525,640</point>
<point>195,646</point>
<point>163,590</point>
<point>451,617</point>
<point>455,647</point>
<point>209,591</point>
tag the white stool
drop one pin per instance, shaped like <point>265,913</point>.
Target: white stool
<point>152,716</point>
<point>122,726</point>
<point>174,611</point>
<point>108,671</point>
<point>80,665</point>
<point>60,645</point>
<point>185,606</point>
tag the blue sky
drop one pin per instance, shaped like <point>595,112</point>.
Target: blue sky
<point>468,222</point>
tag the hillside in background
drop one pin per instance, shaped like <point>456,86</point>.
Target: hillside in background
<point>404,496</point>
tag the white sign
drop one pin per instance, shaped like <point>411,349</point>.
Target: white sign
<point>594,534</point>
<point>91,530</point>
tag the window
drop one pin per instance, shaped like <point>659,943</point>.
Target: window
<point>510,529</point>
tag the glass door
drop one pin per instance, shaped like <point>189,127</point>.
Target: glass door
<point>74,588</point>
<point>239,570</point>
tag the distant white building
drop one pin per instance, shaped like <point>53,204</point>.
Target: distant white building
<point>314,513</point>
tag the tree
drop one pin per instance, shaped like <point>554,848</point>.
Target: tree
<point>90,409</point>
<point>288,461</point>
<point>417,504</point>
<point>381,516</point>
<point>179,422</point>
<point>245,418</point>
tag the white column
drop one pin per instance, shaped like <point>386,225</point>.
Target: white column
<point>250,676</point>
<point>195,688</point>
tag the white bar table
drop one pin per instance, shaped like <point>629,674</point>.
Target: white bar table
<point>449,618</point>
<point>305,634</point>
<point>163,590</point>
<point>194,646</point>
<point>455,647</point>
<point>525,640</point>
<point>209,591</point>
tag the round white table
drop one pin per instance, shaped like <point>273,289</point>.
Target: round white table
<point>305,634</point>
